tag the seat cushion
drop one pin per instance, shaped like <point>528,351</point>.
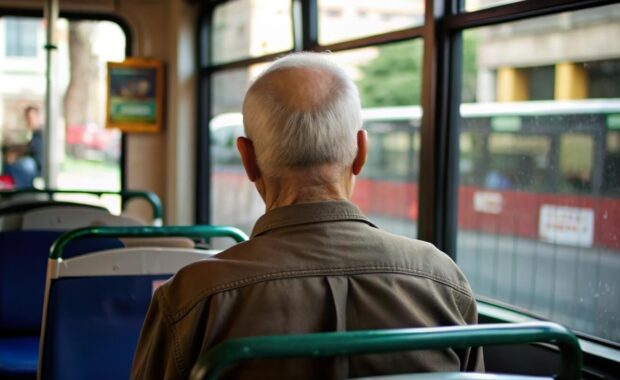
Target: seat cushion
<point>18,356</point>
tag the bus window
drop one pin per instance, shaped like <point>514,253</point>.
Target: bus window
<point>346,20</point>
<point>237,33</point>
<point>518,162</point>
<point>611,171</point>
<point>576,162</point>
<point>390,151</point>
<point>92,158</point>
<point>474,5</point>
<point>540,230</point>
<point>389,78</point>
<point>224,142</point>
<point>89,154</point>
<point>234,200</point>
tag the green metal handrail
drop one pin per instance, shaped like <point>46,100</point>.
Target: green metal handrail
<point>203,231</point>
<point>211,364</point>
<point>126,195</point>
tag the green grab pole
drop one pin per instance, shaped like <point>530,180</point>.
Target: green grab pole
<point>202,231</point>
<point>211,364</point>
<point>149,196</point>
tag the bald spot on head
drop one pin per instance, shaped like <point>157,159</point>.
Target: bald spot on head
<point>298,88</point>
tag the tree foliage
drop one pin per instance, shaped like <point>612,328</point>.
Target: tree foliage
<point>470,67</point>
<point>394,77</point>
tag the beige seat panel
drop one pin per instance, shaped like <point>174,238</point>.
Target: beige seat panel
<point>162,242</point>
<point>10,222</point>
<point>67,218</point>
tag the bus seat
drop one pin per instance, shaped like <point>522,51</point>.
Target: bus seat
<point>95,308</point>
<point>10,207</point>
<point>63,218</point>
<point>68,218</point>
<point>23,258</point>
<point>18,355</point>
<point>21,198</point>
<point>213,363</point>
<point>11,222</point>
<point>164,242</point>
<point>57,216</point>
<point>23,262</point>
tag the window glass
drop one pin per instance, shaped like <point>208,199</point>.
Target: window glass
<point>346,20</point>
<point>234,200</point>
<point>541,82</point>
<point>611,179</point>
<point>539,168</point>
<point>389,80</point>
<point>21,36</point>
<point>603,76</point>
<point>474,5</point>
<point>250,28</point>
<point>576,162</point>
<point>519,162</point>
<point>89,156</point>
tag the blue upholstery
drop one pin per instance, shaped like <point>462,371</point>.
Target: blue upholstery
<point>18,356</point>
<point>23,263</point>
<point>95,318</point>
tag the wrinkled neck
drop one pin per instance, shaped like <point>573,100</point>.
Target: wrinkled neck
<point>306,186</point>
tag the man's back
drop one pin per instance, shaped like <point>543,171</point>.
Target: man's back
<point>308,268</point>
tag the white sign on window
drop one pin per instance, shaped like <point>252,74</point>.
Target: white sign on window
<point>488,202</point>
<point>567,225</point>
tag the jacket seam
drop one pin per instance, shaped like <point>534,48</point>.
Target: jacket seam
<point>175,317</point>
<point>471,301</point>
<point>178,358</point>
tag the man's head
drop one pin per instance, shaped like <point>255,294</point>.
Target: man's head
<point>33,117</point>
<point>302,116</point>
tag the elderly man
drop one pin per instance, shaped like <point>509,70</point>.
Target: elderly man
<point>314,262</point>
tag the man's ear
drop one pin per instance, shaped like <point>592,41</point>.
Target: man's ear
<point>362,151</point>
<point>248,157</point>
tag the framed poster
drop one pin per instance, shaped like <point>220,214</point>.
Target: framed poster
<point>135,95</point>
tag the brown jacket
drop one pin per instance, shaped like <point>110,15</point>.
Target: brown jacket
<point>308,268</point>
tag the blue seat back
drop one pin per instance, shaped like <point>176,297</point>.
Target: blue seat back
<point>23,263</point>
<point>94,324</point>
<point>96,305</point>
<point>23,259</point>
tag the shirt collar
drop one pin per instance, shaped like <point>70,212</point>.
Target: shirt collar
<point>305,213</point>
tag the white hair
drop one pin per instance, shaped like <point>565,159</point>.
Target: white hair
<point>301,132</point>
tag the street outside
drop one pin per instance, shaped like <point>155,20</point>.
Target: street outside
<point>575,286</point>
<point>76,174</point>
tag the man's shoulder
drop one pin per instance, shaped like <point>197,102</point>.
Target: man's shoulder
<point>268,258</point>
<point>197,281</point>
<point>423,257</point>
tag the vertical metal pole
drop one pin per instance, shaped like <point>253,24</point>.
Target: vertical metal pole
<point>203,137</point>
<point>310,22</point>
<point>439,148</point>
<point>50,133</point>
<point>429,183</point>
